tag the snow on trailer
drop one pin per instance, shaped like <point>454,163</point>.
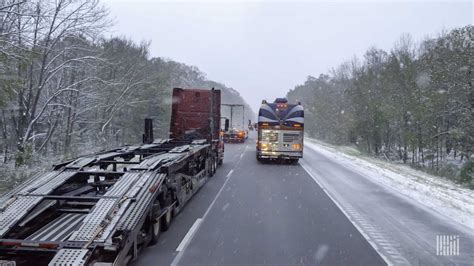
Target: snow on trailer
<point>102,209</point>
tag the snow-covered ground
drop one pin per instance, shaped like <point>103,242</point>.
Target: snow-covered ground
<point>441,195</point>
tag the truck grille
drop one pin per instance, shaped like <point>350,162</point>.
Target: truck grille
<point>290,137</point>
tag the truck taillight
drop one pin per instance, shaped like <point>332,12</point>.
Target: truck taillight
<point>296,146</point>
<point>6,243</point>
<point>48,245</point>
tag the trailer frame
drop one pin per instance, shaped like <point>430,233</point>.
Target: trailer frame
<point>110,200</point>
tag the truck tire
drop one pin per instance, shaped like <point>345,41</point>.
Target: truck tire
<point>214,164</point>
<point>168,217</point>
<point>210,170</point>
<point>212,167</point>
<point>155,231</point>
<point>155,223</point>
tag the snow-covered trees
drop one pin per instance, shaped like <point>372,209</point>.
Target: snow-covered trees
<point>46,47</point>
<point>414,103</point>
<point>67,89</point>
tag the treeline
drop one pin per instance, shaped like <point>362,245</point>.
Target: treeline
<point>412,104</point>
<point>66,90</point>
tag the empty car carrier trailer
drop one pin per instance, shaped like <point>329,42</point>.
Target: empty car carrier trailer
<point>102,209</point>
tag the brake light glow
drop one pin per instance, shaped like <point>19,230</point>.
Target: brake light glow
<point>296,146</point>
<point>6,243</point>
<point>48,245</point>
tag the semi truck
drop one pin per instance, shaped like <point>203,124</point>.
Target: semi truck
<point>103,208</point>
<point>235,135</point>
<point>280,131</point>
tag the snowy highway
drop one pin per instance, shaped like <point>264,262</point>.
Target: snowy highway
<point>318,212</point>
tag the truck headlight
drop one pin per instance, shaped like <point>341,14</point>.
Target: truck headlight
<point>264,146</point>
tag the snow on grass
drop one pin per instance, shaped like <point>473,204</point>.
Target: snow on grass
<point>451,200</point>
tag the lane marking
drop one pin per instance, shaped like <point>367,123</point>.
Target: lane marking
<point>189,234</point>
<point>241,156</point>
<point>181,251</point>
<point>367,238</point>
<point>225,206</point>
<point>185,245</point>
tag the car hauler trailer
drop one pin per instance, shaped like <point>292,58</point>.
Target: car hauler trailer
<point>101,209</point>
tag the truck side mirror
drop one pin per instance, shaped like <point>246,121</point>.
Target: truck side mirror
<point>226,127</point>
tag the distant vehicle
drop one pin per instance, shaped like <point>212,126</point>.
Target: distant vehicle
<point>250,125</point>
<point>280,131</point>
<point>235,135</point>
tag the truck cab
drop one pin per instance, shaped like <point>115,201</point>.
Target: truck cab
<point>196,114</point>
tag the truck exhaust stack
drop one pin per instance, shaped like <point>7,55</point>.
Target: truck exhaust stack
<point>148,135</point>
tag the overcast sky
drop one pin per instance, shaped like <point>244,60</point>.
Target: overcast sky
<point>263,49</point>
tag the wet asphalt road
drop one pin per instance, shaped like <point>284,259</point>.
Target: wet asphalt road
<point>260,214</point>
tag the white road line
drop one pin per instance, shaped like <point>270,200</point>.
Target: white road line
<point>241,156</point>
<point>374,246</point>
<point>189,235</point>
<point>181,252</point>
<point>183,248</point>
<point>225,206</point>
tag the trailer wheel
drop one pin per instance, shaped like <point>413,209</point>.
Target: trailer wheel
<point>166,219</point>
<point>214,165</point>
<point>155,231</point>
